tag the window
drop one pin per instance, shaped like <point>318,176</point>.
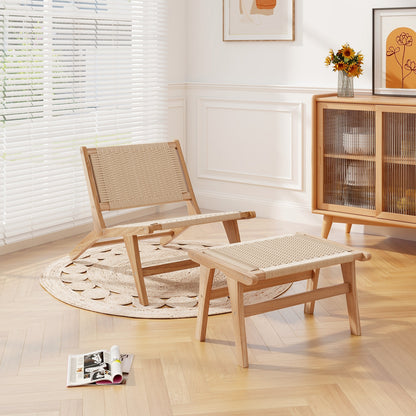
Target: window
<point>72,73</point>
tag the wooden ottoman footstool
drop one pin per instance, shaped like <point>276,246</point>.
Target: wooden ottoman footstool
<point>259,264</point>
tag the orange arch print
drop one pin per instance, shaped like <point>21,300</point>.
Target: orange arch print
<point>266,4</point>
<point>401,58</point>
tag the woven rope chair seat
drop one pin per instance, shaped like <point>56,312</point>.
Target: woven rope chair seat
<point>270,255</point>
<point>132,176</point>
<point>187,220</point>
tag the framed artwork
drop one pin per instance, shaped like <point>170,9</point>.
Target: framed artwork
<point>258,20</point>
<point>394,51</point>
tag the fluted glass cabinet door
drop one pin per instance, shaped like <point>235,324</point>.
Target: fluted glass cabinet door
<point>399,163</point>
<point>349,162</point>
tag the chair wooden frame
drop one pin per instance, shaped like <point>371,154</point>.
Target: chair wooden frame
<point>97,160</point>
<point>243,277</point>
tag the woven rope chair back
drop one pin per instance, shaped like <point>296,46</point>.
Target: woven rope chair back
<point>138,175</point>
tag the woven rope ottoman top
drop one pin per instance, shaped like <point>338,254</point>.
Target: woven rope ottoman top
<point>275,256</point>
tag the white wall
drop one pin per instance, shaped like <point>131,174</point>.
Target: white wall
<point>243,109</point>
<point>177,41</point>
<point>319,26</point>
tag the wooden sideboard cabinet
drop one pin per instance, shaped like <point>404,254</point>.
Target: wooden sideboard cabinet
<point>364,161</point>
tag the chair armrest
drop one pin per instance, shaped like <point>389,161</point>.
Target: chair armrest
<point>198,219</point>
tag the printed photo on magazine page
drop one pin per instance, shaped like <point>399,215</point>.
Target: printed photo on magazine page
<point>99,367</point>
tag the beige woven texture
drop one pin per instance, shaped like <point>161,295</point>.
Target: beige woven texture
<point>196,219</point>
<point>186,221</point>
<point>271,254</point>
<point>133,176</point>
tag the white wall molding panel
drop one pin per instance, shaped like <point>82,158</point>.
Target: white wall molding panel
<point>250,142</point>
<point>249,148</point>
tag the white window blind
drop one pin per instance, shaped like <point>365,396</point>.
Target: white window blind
<point>72,73</point>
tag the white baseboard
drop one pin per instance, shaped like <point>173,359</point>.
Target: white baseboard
<point>288,211</point>
<point>393,232</point>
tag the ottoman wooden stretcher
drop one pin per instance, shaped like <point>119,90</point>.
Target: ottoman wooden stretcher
<point>259,264</point>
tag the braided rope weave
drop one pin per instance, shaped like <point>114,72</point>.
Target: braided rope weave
<point>186,221</point>
<point>271,254</point>
<point>138,175</point>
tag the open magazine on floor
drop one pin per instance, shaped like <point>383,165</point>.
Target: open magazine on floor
<point>99,367</point>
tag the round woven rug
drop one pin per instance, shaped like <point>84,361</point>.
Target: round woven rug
<point>101,280</point>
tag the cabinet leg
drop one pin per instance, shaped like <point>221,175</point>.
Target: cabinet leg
<point>348,228</point>
<point>326,226</point>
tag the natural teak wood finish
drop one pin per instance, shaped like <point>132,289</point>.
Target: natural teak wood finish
<point>389,157</point>
<point>115,185</point>
<point>242,277</point>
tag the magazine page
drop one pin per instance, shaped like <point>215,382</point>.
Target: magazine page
<point>115,374</point>
<point>99,367</point>
<point>126,362</point>
<point>88,368</point>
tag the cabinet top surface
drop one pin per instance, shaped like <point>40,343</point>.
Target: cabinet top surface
<point>360,98</point>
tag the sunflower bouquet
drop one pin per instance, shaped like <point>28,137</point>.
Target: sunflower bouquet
<point>346,60</point>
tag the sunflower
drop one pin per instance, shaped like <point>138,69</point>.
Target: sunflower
<point>347,52</point>
<point>330,58</point>
<point>345,59</point>
<point>340,66</point>
<point>354,70</point>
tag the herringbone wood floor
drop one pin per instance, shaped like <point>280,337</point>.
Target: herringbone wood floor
<point>299,365</point>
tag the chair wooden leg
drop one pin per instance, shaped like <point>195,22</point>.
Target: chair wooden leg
<point>88,241</point>
<point>132,248</point>
<point>231,229</point>
<point>326,225</point>
<point>175,233</point>
<point>236,292</point>
<point>205,285</point>
<point>348,228</point>
<point>311,284</point>
<point>348,273</point>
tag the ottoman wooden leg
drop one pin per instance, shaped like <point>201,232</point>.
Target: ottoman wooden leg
<point>205,285</point>
<point>236,292</point>
<point>311,284</point>
<point>348,273</point>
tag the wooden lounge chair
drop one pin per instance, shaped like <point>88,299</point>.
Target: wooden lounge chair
<point>148,174</point>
